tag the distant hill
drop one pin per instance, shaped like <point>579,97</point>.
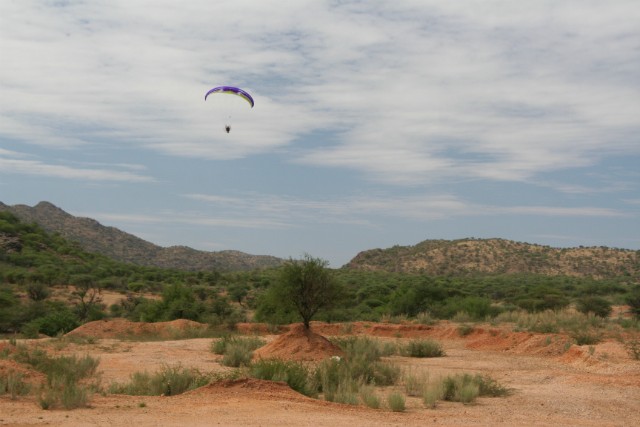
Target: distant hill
<point>499,256</point>
<point>125,247</point>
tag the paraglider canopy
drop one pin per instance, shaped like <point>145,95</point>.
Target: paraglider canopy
<point>233,91</point>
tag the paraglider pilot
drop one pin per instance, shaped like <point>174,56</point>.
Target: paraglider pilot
<point>227,128</point>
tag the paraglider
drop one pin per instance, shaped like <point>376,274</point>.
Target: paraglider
<point>234,91</point>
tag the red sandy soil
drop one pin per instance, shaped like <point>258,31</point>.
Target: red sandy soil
<point>554,383</point>
<point>299,344</point>
<point>121,328</point>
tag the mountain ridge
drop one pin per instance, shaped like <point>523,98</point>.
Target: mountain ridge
<point>126,247</point>
<point>499,256</point>
<point>436,257</point>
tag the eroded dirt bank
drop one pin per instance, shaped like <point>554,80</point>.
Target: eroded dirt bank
<point>553,383</point>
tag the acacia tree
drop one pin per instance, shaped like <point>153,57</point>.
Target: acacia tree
<point>309,286</point>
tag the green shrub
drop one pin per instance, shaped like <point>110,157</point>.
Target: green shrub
<point>369,397</point>
<point>396,402</point>
<point>63,376</point>
<point>467,393</point>
<point>250,343</point>
<point>422,348</point>
<point>12,383</point>
<point>70,369</point>
<point>364,348</point>
<point>295,374</point>
<point>237,351</point>
<point>432,393</point>
<point>415,384</point>
<point>594,304</point>
<point>466,388</point>
<point>465,329</point>
<point>490,387</point>
<point>169,381</point>
<point>586,337</point>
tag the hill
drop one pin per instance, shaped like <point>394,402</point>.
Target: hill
<point>499,256</point>
<point>125,247</point>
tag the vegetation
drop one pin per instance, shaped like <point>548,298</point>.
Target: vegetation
<point>423,348</point>
<point>306,287</point>
<point>12,383</point>
<point>295,374</point>
<point>169,381</point>
<point>466,388</point>
<point>64,386</point>
<point>237,351</point>
<point>396,402</point>
<point>35,267</point>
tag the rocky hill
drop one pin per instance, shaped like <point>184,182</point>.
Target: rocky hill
<point>499,256</point>
<point>125,247</point>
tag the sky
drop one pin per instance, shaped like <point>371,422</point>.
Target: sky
<point>376,123</point>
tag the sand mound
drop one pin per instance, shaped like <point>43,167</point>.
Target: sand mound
<point>248,385</point>
<point>299,344</point>
<point>29,375</point>
<point>118,328</point>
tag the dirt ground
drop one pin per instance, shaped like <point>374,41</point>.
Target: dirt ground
<point>554,383</point>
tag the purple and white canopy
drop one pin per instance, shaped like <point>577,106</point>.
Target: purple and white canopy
<point>233,91</point>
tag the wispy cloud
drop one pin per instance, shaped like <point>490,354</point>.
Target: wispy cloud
<point>367,211</point>
<point>11,162</point>
<point>416,90</point>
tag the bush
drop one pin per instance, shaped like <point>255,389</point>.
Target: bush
<point>422,348</point>
<point>415,385</point>
<point>432,393</point>
<point>237,351</point>
<point>466,388</point>
<point>596,305</point>
<point>59,392</point>
<point>250,343</point>
<point>369,397</point>
<point>295,374</point>
<point>11,383</point>
<point>63,376</point>
<point>396,402</point>
<point>169,381</point>
<point>68,369</point>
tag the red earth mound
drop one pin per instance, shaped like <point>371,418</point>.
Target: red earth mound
<point>260,389</point>
<point>299,344</point>
<point>118,328</point>
<point>29,375</point>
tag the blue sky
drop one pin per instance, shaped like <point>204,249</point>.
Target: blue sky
<point>376,123</point>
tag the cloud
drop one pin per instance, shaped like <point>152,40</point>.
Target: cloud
<point>10,162</point>
<point>415,91</point>
<point>369,211</point>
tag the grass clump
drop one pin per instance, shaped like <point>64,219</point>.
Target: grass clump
<point>365,348</point>
<point>61,392</point>
<point>295,374</point>
<point>71,369</point>
<point>169,381</point>
<point>432,393</point>
<point>12,383</point>
<point>236,351</point>
<point>466,388</point>
<point>369,397</point>
<point>396,402</point>
<point>415,384</point>
<point>64,374</point>
<point>422,348</point>
<point>344,379</point>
